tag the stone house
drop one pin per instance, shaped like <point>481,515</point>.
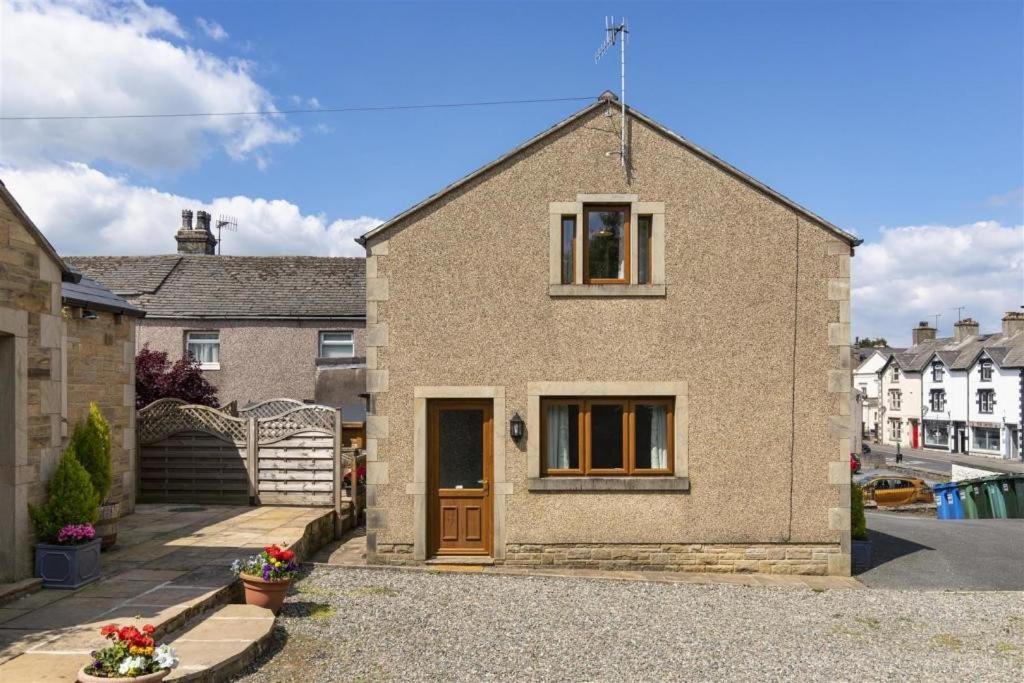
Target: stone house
<point>576,361</point>
<point>963,394</point>
<point>65,341</point>
<point>262,327</point>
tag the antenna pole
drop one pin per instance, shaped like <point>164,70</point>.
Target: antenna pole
<point>622,78</point>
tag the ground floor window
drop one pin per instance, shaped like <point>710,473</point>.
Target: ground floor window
<point>936,434</point>
<point>607,436</point>
<point>986,438</point>
<point>895,430</point>
<point>205,348</point>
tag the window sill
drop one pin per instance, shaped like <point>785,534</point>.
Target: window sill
<point>322,361</point>
<point>606,290</point>
<point>663,484</point>
<point>209,366</point>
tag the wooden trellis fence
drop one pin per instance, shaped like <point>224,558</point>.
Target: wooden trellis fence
<point>279,452</point>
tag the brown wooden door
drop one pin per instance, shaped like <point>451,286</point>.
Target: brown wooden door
<point>459,477</point>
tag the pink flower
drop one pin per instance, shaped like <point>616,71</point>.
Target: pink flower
<point>72,534</point>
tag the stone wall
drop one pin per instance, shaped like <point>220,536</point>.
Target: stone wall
<point>101,368</point>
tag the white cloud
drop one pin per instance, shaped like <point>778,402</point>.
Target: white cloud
<point>84,212</point>
<point>69,57</point>
<point>212,29</point>
<point>914,272</point>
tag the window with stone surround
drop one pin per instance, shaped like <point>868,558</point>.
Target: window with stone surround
<point>204,346</point>
<point>338,344</point>
<point>938,400</point>
<point>986,401</point>
<point>607,436</point>
<point>986,371</point>
<point>607,245</point>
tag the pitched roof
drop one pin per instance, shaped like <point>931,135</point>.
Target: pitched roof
<point>34,230</point>
<point>236,287</point>
<point>1006,351</point>
<point>90,294</point>
<point>605,97</point>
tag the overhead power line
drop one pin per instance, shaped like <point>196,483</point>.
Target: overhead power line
<point>273,112</point>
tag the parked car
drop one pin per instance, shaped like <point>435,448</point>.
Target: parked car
<point>854,463</point>
<point>864,447</point>
<point>897,491</point>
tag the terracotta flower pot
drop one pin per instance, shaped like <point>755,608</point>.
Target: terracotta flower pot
<point>269,594</point>
<point>148,678</point>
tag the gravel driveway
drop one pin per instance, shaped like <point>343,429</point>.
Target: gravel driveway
<point>379,625</point>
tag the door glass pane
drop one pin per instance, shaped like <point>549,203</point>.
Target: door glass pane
<point>461,451</point>
<point>568,240</point>
<point>562,439</point>
<point>606,437</point>
<point>643,256</point>
<point>651,436</point>
<point>606,244</point>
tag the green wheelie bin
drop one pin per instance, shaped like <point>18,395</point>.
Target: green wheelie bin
<point>967,501</point>
<point>996,496</point>
<point>978,491</point>
<point>1012,486</point>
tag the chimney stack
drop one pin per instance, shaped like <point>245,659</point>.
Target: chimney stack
<point>197,240</point>
<point>965,328</point>
<point>1013,323</point>
<point>923,332</point>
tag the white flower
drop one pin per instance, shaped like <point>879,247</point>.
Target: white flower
<point>165,657</point>
<point>128,664</point>
<point>236,566</point>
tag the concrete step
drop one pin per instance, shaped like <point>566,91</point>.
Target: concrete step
<point>221,644</point>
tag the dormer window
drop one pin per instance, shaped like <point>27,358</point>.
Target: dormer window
<point>895,373</point>
<point>986,371</point>
<point>937,372</point>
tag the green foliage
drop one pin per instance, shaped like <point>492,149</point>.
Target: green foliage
<point>72,499</point>
<point>869,343</point>
<point>91,444</point>
<point>858,523</point>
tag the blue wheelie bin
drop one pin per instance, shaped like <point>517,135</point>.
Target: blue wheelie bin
<point>954,499</point>
<point>941,506</point>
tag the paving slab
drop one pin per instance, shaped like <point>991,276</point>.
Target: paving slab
<point>43,668</point>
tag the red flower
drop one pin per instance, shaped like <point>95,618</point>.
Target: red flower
<point>148,628</point>
<point>287,556</point>
<point>108,629</point>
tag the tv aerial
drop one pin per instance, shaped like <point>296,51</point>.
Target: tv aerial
<point>225,222</point>
<point>616,33</point>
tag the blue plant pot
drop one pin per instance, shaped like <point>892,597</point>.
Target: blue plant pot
<point>68,566</point>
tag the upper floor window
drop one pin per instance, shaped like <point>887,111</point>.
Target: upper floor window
<point>937,372</point>
<point>986,400</point>
<point>986,371</point>
<point>607,436</point>
<point>568,249</point>
<point>895,373</point>
<point>895,399</point>
<point>938,400</point>
<point>336,345</point>
<point>205,348</point>
<point>606,252</point>
<point>644,252</point>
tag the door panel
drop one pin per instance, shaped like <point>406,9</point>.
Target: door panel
<point>459,477</point>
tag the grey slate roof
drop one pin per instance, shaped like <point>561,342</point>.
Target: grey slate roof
<point>238,287</point>
<point>90,294</point>
<point>1006,351</point>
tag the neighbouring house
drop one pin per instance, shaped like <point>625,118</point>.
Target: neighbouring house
<point>65,341</point>
<point>866,380</point>
<point>261,327</point>
<point>964,390</point>
<point>574,362</point>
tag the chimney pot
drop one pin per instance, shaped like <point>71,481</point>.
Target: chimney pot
<point>1013,323</point>
<point>965,328</point>
<point>203,220</point>
<point>197,240</point>
<point>923,332</point>
<point>186,219</point>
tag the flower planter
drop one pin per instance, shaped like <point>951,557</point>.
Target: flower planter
<point>68,566</point>
<point>106,527</point>
<point>148,678</point>
<point>269,594</point>
<point>861,556</point>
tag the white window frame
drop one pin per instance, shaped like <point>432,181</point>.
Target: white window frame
<point>985,370</point>
<point>895,373</point>
<point>321,342</point>
<point>895,428</point>
<point>989,394</point>
<point>999,439</point>
<point>189,341</point>
<point>937,400</point>
<point>895,399</point>
<point>938,372</point>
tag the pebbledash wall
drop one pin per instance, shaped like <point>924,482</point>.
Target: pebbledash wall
<point>51,365</point>
<point>753,330</point>
<point>264,359</point>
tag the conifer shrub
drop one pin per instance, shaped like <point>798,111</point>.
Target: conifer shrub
<point>858,523</point>
<point>91,444</point>
<point>71,499</point>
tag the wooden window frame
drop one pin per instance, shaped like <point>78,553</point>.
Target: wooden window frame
<point>627,227</point>
<point>650,247</point>
<point>629,405</point>
<point>572,247</point>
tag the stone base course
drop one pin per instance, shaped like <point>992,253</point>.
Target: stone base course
<point>805,559</point>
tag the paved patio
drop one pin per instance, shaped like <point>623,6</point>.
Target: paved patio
<point>170,564</point>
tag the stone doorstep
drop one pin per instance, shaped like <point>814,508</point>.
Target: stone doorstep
<point>15,590</point>
<point>222,644</point>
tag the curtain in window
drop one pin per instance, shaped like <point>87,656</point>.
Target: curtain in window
<point>558,437</point>
<point>659,437</point>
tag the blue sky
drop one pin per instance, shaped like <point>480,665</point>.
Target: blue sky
<point>880,116</point>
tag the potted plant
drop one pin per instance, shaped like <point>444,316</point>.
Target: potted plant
<point>91,440</point>
<point>132,655</point>
<point>267,576</point>
<point>860,541</point>
<point>68,553</point>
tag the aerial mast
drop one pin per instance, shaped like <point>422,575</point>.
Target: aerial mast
<point>617,32</point>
